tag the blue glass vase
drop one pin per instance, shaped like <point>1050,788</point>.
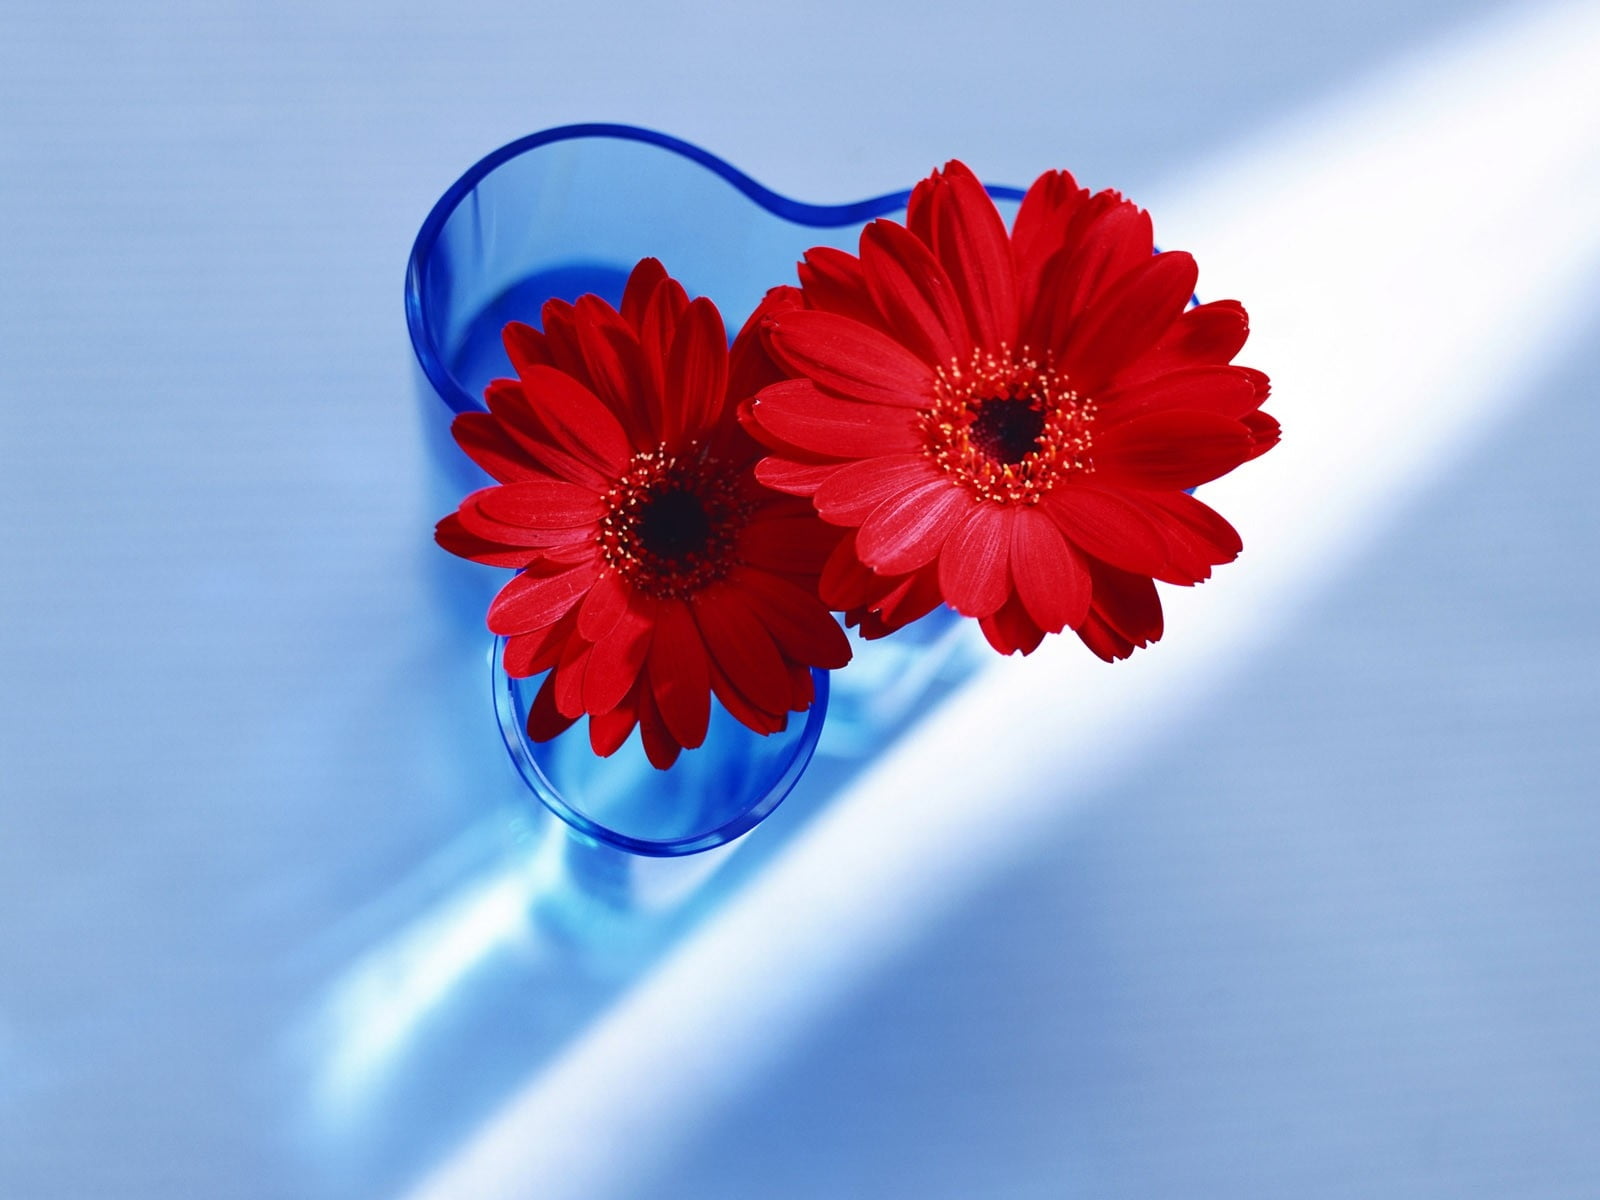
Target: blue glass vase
<point>570,211</point>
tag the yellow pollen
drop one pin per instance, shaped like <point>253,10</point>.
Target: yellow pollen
<point>1008,426</point>
<point>672,521</point>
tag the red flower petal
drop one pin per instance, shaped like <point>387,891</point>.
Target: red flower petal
<point>1173,450</point>
<point>794,478</point>
<point>659,746</point>
<point>802,688</point>
<point>970,240</point>
<point>480,524</point>
<point>773,506</point>
<point>532,653</point>
<point>851,493</point>
<point>904,533</point>
<point>1127,603</point>
<point>1259,381</point>
<point>454,537</point>
<point>1047,322</point>
<point>619,656</point>
<point>679,675</point>
<point>487,444</point>
<point>604,605</point>
<point>540,505</point>
<point>656,333</point>
<point>794,545</point>
<point>609,730</point>
<point>846,583</point>
<point>525,346</point>
<point>1105,641</point>
<point>913,598</point>
<point>1037,233</point>
<point>833,282</point>
<point>974,571</point>
<point>1128,319</point>
<point>849,358</point>
<point>567,555</point>
<point>1085,216</point>
<point>1221,540</point>
<point>1116,240</point>
<point>1108,526</point>
<point>561,343</point>
<point>1197,538</point>
<point>740,708</point>
<point>1206,335</point>
<point>643,280</point>
<point>1114,243</point>
<point>545,721</point>
<point>697,372</point>
<point>925,197</point>
<point>616,364</point>
<point>1226,391</point>
<point>742,648</point>
<point>569,675</point>
<point>509,406</point>
<point>1132,530</point>
<point>798,622</point>
<point>1012,629</point>
<point>1264,432</point>
<point>803,416</point>
<point>532,601</point>
<point>1047,206</point>
<point>577,419</point>
<point>1052,580</point>
<point>912,291</point>
<point>750,367</point>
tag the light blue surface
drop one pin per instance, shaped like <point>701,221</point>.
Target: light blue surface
<point>1334,939</point>
<point>1337,939</point>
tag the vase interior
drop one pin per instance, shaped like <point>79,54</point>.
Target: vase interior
<point>569,212</point>
<point>710,796</point>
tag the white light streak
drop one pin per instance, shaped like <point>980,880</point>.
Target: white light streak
<point>376,1008</point>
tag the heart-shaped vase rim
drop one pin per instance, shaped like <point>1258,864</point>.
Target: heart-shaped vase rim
<point>821,216</point>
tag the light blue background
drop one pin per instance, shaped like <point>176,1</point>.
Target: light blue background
<point>1335,938</point>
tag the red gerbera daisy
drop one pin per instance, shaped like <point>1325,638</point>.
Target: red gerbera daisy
<point>1009,423</point>
<point>655,570</point>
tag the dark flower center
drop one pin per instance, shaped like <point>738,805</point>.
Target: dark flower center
<point>673,525</point>
<point>1007,430</point>
<point>1007,426</point>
